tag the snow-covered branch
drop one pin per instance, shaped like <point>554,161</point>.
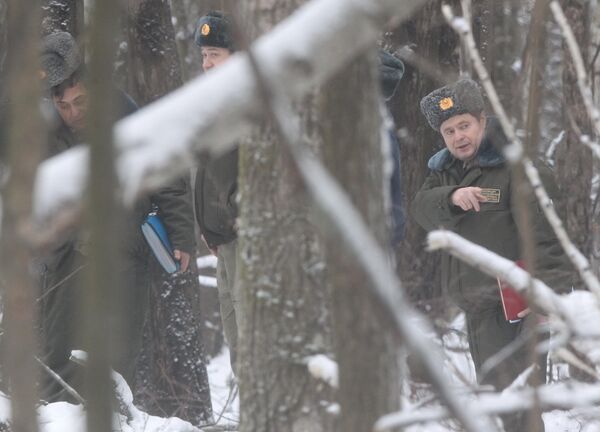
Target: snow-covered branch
<point>548,397</point>
<point>494,265</point>
<point>210,113</point>
<point>576,314</point>
<point>515,154</point>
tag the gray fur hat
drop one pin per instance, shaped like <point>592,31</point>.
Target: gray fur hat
<point>461,97</point>
<point>59,58</point>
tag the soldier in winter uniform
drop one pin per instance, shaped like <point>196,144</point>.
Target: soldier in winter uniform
<point>470,191</point>
<point>63,73</point>
<point>216,186</point>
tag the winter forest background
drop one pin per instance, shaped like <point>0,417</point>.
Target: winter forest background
<point>336,338</point>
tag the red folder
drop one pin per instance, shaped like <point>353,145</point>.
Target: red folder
<point>512,301</point>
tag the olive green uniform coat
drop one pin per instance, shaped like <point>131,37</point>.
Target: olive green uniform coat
<point>496,228</point>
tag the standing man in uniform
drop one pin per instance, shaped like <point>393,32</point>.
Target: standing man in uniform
<point>216,186</point>
<point>470,191</point>
<point>61,285</point>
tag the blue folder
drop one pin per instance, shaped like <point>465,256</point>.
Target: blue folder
<point>156,235</point>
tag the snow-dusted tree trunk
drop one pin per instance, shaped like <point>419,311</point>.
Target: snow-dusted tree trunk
<point>433,41</point>
<point>24,140</point>
<point>171,376</point>
<point>574,162</point>
<point>154,68</point>
<point>365,345</point>
<point>65,15</point>
<point>283,291</point>
<point>185,14</point>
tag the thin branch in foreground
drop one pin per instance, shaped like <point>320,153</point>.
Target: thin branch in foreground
<point>61,381</point>
<point>515,154</point>
<point>549,397</point>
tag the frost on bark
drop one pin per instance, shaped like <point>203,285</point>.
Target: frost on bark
<point>153,63</point>
<point>64,15</point>
<point>23,131</point>
<point>431,39</point>
<point>284,297</point>
<point>366,350</point>
<point>171,378</point>
<point>574,162</point>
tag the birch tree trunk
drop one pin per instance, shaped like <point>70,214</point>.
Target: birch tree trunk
<point>284,298</point>
<point>574,162</point>
<point>171,378</point>
<point>64,15</point>
<point>25,136</point>
<point>366,350</point>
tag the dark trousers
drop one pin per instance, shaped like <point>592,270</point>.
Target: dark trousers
<point>60,322</point>
<point>488,334</point>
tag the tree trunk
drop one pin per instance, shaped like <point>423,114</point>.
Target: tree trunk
<point>153,61</point>
<point>431,39</point>
<point>284,299</point>
<point>24,137</point>
<point>104,216</point>
<point>574,162</point>
<point>3,37</point>
<point>366,350</point>
<point>64,15</point>
<point>171,378</point>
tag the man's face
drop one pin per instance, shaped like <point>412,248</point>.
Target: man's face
<point>463,134</point>
<point>213,56</point>
<point>73,106</point>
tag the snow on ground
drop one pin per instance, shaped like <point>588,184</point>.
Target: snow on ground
<point>65,417</point>
<point>224,394</point>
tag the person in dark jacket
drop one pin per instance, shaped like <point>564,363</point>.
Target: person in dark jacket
<point>64,76</point>
<point>391,71</point>
<point>470,191</point>
<point>216,186</point>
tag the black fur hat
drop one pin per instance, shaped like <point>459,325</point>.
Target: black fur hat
<point>214,29</point>
<point>461,97</point>
<point>59,58</point>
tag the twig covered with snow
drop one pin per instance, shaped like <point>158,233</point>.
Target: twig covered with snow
<point>547,397</point>
<point>515,155</point>
<point>495,266</point>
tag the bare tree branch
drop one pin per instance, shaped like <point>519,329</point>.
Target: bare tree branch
<point>549,397</point>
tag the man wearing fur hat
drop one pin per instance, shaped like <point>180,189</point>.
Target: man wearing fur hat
<point>216,186</point>
<point>64,76</point>
<point>470,191</point>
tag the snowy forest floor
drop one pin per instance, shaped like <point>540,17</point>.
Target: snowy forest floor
<point>65,417</point>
